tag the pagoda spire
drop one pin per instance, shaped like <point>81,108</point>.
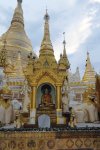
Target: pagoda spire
<point>17,72</point>
<point>64,51</point>
<point>61,63</point>
<point>66,62</point>
<point>19,1</point>
<point>18,14</point>
<point>46,45</point>
<point>89,75</point>
<point>88,65</point>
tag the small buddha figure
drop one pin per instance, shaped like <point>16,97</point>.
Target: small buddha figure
<point>46,98</point>
<point>18,123</point>
<point>71,123</point>
<point>75,122</point>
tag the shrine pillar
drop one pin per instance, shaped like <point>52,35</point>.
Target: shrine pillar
<point>58,97</point>
<point>34,89</point>
<point>60,119</point>
<point>32,118</point>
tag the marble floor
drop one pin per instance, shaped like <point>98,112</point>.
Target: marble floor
<point>95,124</point>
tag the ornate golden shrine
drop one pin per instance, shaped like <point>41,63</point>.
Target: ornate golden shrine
<point>46,70</point>
<point>97,87</point>
<point>45,75</point>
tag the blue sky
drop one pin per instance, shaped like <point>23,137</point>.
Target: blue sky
<point>79,19</point>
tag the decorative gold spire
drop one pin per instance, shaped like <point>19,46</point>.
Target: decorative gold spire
<point>89,75</point>
<point>46,45</point>
<point>17,72</point>
<point>18,14</point>
<point>66,62</point>
<point>19,1</point>
<point>61,63</point>
<point>6,89</point>
<point>64,51</point>
<point>3,56</point>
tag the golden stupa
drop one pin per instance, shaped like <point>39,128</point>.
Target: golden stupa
<point>16,38</point>
<point>89,76</point>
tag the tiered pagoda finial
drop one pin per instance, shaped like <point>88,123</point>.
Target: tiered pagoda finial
<point>61,63</point>
<point>46,45</point>
<point>46,17</point>
<point>19,1</point>
<point>17,72</point>
<point>18,14</point>
<point>89,75</point>
<point>66,62</point>
<point>46,55</point>
<point>64,51</point>
<point>87,53</point>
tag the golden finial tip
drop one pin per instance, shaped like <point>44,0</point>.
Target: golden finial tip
<point>46,17</point>
<point>46,9</point>
<point>19,1</point>
<point>87,53</point>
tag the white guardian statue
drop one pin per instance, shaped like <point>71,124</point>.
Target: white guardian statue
<point>65,100</point>
<point>26,100</point>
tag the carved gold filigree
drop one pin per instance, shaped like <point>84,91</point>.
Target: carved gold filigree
<point>43,72</point>
<point>5,104</point>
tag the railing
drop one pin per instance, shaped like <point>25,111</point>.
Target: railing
<point>67,129</point>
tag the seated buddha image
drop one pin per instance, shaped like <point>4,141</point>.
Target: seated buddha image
<point>46,98</point>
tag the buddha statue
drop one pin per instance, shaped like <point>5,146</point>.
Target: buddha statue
<point>46,98</point>
<point>71,123</point>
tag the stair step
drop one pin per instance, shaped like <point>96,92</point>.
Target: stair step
<point>49,112</point>
<point>53,120</point>
<point>48,115</point>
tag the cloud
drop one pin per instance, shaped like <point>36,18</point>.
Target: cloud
<point>93,1</point>
<point>76,34</point>
<point>96,26</point>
